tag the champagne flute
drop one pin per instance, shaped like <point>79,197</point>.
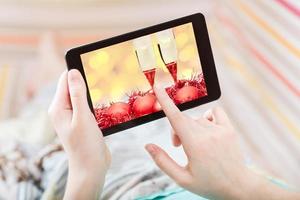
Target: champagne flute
<point>146,57</point>
<point>168,51</point>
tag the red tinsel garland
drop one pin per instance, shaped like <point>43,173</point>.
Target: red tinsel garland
<point>105,119</point>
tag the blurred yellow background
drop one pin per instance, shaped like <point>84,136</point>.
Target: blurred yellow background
<point>113,72</point>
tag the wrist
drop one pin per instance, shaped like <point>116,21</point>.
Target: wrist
<point>245,185</point>
<point>90,179</point>
<point>87,170</point>
<point>95,165</point>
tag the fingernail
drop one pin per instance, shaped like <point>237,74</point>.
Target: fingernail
<point>151,149</point>
<point>207,113</point>
<point>74,75</point>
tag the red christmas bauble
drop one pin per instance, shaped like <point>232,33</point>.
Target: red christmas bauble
<point>143,104</point>
<point>119,111</point>
<point>186,93</point>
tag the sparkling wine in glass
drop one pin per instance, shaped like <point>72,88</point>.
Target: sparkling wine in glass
<point>146,57</point>
<point>168,51</point>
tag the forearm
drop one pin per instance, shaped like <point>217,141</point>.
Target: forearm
<point>267,190</point>
<point>83,184</point>
<point>255,186</point>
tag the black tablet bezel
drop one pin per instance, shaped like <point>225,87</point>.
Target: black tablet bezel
<point>73,60</point>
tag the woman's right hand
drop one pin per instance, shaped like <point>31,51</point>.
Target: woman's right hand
<point>215,167</point>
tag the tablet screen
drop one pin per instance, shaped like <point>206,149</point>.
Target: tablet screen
<point>120,77</point>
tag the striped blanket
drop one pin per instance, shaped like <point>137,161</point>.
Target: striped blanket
<point>256,47</point>
<point>257,50</point>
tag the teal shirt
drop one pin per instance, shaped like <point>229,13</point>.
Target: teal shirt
<point>177,193</point>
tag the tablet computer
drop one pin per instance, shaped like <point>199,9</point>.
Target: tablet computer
<point>120,72</point>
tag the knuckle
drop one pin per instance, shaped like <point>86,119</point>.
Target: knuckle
<point>76,92</point>
<point>77,89</point>
<point>159,159</point>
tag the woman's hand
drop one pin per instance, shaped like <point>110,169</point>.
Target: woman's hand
<point>215,162</point>
<point>215,167</point>
<point>83,142</point>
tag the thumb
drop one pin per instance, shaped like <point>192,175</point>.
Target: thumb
<point>77,90</point>
<point>221,117</point>
<point>168,165</point>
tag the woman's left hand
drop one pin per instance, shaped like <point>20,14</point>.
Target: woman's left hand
<point>83,142</point>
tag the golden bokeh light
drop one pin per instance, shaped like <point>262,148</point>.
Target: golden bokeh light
<point>182,39</point>
<point>130,61</point>
<point>99,59</point>
<point>96,94</point>
<point>187,53</point>
<point>186,73</point>
<point>92,79</point>
<point>117,91</point>
<point>114,71</point>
